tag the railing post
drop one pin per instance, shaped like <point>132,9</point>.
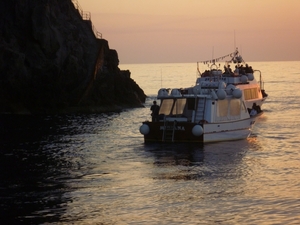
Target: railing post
<point>86,16</point>
<point>174,127</point>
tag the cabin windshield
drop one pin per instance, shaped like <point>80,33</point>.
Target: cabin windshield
<point>179,106</point>
<point>166,106</point>
<point>172,106</point>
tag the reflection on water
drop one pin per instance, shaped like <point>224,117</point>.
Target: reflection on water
<point>26,170</point>
<point>95,169</point>
<point>67,167</point>
<point>199,162</point>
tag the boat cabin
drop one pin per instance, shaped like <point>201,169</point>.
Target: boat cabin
<point>202,109</point>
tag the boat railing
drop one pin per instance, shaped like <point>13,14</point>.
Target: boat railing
<point>198,70</point>
<point>214,67</point>
<point>174,128</point>
<point>261,83</point>
<point>164,129</point>
<point>86,16</point>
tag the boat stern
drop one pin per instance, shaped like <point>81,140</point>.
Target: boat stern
<point>172,131</point>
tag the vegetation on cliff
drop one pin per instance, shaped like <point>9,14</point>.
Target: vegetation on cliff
<point>52,62</point>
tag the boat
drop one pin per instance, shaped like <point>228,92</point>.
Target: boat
<point>219,107</point>
<point>243,77</point>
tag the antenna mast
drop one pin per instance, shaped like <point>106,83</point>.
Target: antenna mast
<point>234,40</point>
<point>161,77</point>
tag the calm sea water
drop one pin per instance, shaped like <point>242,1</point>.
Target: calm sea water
<point>95,169</point>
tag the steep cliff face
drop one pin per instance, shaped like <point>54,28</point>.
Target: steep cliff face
<point>51,61</point>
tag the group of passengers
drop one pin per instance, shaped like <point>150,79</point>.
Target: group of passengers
<point>241,69</point>
<point>206,73</point>
<point>255,110</point>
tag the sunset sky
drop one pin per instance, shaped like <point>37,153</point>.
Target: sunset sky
<point>173,31</point>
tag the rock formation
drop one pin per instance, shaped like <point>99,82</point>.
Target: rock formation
<point>51,62</point>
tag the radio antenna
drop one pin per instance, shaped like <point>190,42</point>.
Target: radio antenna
<point>234,39</point>
<point>161,77</point>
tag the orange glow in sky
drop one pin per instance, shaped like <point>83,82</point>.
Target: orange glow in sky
<point>174,31</point>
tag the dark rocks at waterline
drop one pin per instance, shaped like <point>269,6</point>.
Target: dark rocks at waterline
<point>51,62</point>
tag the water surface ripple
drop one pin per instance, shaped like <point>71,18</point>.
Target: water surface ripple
<point>95,169</point>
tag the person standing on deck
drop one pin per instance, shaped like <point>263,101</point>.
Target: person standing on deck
<point>236,71</point>
<point>155,110</point>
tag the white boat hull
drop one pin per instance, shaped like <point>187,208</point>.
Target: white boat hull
<point>233,130</point>
<point>212,132</point>
<point>226,135</point>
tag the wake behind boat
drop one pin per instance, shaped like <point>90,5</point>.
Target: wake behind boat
<point>222,106</point>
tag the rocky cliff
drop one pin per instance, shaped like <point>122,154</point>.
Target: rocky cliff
<point>51,62</point>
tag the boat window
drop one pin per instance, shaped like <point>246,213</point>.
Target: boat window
<point>179,106</point>
<point>235,107</point>
<point>166,106</point>
<point>229,109</point>
<point>250,93</point>
<point>222,108</point>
